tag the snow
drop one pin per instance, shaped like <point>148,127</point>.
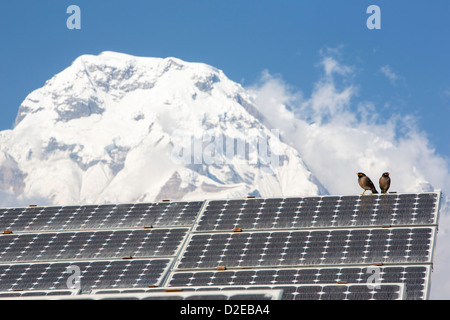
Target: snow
<point>108,128</point>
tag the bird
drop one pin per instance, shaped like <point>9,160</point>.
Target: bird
<point>365,183</point>
<point>385,182</point>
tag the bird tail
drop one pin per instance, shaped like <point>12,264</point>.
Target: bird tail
<point>374,190</point>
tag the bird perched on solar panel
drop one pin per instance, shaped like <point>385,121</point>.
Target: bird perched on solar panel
<point>365,183</point>
<point>385,182</point>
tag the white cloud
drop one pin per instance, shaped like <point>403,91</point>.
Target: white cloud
<point>337,135</point>
<point>351,133</point>
<point>391,75</point>
<point>331,67</point>
<point>10,200</point>
<point>446,92</point>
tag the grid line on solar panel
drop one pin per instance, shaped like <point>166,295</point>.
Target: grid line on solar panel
<point>94,274</point>
<point>386,291</point>
<point>133,294</point>
<point>91,245</point>
<point>138,215</point>
<point>319,212</point>
<point>414,277</point>
<point>314,247</point>
<point>32,293</point>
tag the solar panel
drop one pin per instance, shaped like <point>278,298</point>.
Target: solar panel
<point>93,274</point>
<point>415,277</point>
<point>319,247</point>
<point>386,291</point>
<point>164,214</point>
<point>312,247</point>
<point>319,212</point>
<point>91,244</point>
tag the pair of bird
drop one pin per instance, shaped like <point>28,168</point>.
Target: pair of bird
<point>367,184</point>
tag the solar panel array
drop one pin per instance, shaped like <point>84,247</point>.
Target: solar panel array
<point>320,247</point>
<point>113,246</point>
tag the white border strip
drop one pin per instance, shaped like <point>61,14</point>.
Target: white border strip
<point>271,294</point>
<point>200,290</point>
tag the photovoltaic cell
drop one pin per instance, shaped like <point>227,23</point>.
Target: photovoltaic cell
<point>137,215</point>
<point>91,245</point>
<point>315,247</point>
<point>94,274</point>
<point>414,277</point>
<point>319,212</point>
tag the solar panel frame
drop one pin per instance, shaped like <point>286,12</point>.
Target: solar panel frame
<point>222,289</point>
<point>434,240</point>
<point>250,294</point>
<point>4,295</point>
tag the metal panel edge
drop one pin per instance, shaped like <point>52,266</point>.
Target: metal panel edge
<point>183,244</point>
<point>427,292</point>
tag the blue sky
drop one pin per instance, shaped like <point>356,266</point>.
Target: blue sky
<point>402,68</point>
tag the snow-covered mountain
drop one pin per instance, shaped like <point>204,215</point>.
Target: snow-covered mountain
<point>118,128</point>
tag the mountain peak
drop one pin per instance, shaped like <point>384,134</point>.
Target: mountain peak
<point>82,89</point>
<point>115,125</point>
